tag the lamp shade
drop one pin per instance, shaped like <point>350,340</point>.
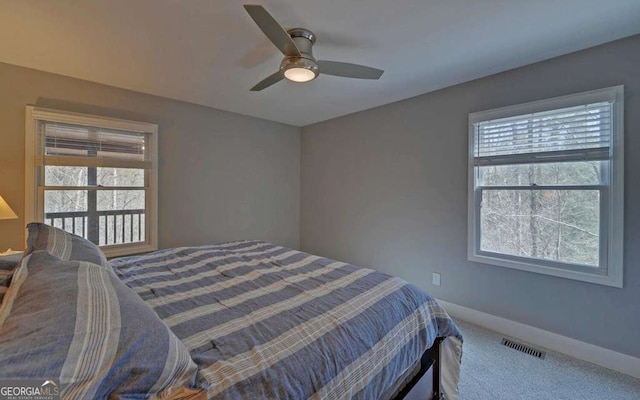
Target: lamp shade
<point>5,211</point>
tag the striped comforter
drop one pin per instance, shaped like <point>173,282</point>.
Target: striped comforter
<point>264,321</point>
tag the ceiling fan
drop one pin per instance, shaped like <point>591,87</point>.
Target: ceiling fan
<point>298,64</point>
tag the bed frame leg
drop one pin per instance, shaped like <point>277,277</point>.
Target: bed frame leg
<point>430,361</point>
<point>436,371</point>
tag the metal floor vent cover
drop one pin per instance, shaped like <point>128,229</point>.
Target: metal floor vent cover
<point>523,348</point>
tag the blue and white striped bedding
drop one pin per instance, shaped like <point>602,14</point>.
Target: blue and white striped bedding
<point>264,321</point>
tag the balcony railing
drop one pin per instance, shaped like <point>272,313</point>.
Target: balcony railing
<point>108,227</point>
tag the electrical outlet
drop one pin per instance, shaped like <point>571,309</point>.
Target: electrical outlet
<point>436,279</point>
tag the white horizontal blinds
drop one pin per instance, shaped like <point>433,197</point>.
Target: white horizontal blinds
<point>573,133</point>
<point>79,145</point>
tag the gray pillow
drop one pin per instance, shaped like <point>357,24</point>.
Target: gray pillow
<point>77,324</point>
<point>62,244</point>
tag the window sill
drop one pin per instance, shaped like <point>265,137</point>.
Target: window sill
<point>121,250</point>
<point>600,279</point>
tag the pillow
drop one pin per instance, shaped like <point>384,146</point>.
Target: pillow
<point>77,324</point>
<point>62,244</point>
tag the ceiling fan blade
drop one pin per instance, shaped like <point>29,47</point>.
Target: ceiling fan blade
<point>348,70</point>
<point>268,81</point>
<point>276,33</point>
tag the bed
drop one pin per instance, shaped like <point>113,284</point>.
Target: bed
<point>264,321</point>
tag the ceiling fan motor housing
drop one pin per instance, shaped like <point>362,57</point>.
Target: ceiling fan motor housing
<point>304,40</point>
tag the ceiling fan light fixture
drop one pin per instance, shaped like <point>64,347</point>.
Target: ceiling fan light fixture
<point>297,74</point>
<point>299,69</point>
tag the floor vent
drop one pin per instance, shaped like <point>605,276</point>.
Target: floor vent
<point>523,348</point>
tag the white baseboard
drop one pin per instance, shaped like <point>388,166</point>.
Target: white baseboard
<point>598,355</point>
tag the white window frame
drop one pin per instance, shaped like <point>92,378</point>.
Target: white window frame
<point>34,196</point>
<point>611,219</point>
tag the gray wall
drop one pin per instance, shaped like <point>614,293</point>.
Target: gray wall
<point>222,176</point>
<point>387,188</point>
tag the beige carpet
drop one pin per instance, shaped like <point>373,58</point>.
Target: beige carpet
<point>493,371</point>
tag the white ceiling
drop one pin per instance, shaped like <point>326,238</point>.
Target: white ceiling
<point>210,52</point>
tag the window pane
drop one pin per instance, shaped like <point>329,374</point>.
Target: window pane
<point>78,176</point>
<point>66,209</point>
<point>65,176</point>
<point>559,225</point>
<point>113,200</point>
<point>564,173</point>
<point>57,201</point>
<point>120,177</point>
<point>121,216</point>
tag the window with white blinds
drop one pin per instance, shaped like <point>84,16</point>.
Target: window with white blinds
<point>94,177</point>
<point>546,186</point>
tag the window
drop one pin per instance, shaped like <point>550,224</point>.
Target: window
<point>546,186</point>
<point>93,176</point>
